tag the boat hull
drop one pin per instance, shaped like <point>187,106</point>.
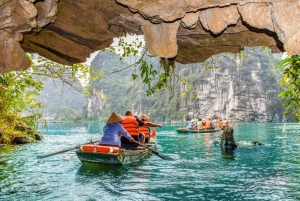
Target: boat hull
<point>197,131</point>
<point>125,156</point>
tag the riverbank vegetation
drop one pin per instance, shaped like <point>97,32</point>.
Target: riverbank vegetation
<point>19,108</point>
<point>17,97</point>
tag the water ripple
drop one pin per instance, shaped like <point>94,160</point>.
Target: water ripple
<point>200,170</point>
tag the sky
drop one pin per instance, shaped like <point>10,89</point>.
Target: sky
<point>128,39</point>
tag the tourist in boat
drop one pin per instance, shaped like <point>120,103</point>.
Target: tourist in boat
<point>225,123</point>
<point>212,124</point>
<point>113,130</point>
<point>191,125</point>
<point>220,125</point>
<point>204,122</point>
<point>208,124</point>
<point>131,124</point>
<point>216,123</point>
<point>200,125</point>
<point>145,129</point>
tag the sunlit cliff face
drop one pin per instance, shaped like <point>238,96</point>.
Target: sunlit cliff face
<point>191,31</point>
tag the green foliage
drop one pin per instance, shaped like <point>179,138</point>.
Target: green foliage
<point>291,82</point>
<point>194,95</point>
<point>56,94</point>
<point>127,48</point>
<point>72,76</point>
<point>152,77</point>
<point>18,92</point>
<point>19,107</point>
<point>67,114</point>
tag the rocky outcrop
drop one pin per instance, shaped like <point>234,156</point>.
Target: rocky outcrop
<point>191,31</point>
<point>21,140</point>
<point>238,88</point>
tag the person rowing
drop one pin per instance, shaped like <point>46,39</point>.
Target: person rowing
<point>113,130</point>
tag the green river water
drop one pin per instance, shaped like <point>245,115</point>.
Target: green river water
<point>200,171</point>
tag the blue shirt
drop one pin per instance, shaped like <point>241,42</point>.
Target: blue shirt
<point>111,134</point>
<point>190,126</point>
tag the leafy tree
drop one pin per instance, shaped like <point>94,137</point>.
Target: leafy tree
<point>19,107</point>
<point>291,82</point>
<point>18,92</point>
<point>155,77</point>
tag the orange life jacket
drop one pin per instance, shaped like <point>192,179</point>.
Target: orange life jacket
<point>207,125</point>
<point>145,130</point>
<point>131,125</point>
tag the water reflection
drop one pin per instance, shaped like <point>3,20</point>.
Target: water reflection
<point>207,144</point>
<point>94,169</point>
<point>228,152</point>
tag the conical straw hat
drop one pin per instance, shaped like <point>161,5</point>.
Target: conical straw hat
<point>143,116</point>
<point>114,118</point>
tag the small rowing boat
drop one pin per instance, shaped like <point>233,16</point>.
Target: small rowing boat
<point>114,155</point>
<point>183,130</point>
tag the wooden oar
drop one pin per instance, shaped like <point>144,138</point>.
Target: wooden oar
<point>65,150</point>
<point>155,152</point>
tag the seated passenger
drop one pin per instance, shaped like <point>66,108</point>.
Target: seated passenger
<point>131,124</point>
<point>208,123</point>
<point>113,130</point>
<point>200,125</point>
<point>220,124</point>
<point>145,129</point>
<point>191,125</point>
<point>225,123</point>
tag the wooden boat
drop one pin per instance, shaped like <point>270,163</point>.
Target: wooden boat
<point>118,156</point>
<point>183,130</point>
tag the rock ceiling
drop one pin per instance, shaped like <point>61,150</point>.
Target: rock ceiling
<point>190,31</point>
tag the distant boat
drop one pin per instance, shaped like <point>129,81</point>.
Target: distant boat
<point>114,155</point>
<point>183,130</point>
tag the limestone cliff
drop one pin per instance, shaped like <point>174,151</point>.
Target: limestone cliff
<point>69,31</point>
<point>225,86</point>
<point>239,90</point>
